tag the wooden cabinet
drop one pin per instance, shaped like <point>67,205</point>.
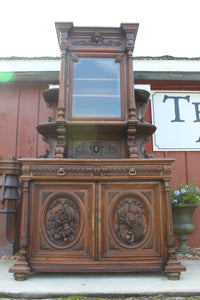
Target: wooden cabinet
<point>96,203</point>
<point>94,216</point>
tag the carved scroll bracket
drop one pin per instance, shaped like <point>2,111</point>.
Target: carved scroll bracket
<point>62,33</point>
<point>130,35</point>
<point>63,39</point>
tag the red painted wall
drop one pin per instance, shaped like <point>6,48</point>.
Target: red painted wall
<point>22,108</point>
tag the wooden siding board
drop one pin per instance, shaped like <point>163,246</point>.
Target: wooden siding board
<point>8,120</point>
<point>43,113</point>
<point>179,172</point>
<point>193,166</point>
<point>28,111</point>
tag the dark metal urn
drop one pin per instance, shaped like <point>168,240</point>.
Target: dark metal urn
<point>183,226</point>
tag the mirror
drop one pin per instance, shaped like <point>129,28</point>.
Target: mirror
<point>96,88</point>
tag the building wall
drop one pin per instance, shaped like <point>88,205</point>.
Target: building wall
<point>22,108</point>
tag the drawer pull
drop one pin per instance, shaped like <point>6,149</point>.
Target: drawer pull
<point>132,172</point>
<point>61,172</point>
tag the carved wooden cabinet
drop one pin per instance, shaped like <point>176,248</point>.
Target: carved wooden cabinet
<point>96,201</point>
<point>96,216</point>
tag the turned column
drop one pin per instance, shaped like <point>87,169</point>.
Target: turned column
<point>63,91</point>
<point>131,130</point>
<point>61,120</point>
<point>130,34</point>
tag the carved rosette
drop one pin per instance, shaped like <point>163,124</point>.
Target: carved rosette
<point>62,221</point>
<point>130,223</point>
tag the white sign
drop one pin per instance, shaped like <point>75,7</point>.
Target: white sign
<point>176,115</point>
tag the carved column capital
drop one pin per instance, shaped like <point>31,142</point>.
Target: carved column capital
<point>63,53</point>
<point>166,184</point>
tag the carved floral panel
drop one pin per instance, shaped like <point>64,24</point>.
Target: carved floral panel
<point>130,221</point>
<point>62,221</point>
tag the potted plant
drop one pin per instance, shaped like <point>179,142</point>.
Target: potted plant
<point>185,199</point>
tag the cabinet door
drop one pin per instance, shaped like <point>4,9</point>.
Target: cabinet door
<point>61,227</point>
<point>130,222</point>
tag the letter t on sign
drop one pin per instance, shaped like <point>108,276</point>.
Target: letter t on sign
<point>176,105</point>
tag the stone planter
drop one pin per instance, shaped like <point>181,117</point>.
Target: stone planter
<point>183,225</point>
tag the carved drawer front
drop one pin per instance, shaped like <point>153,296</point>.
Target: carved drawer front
<point>130,221</point>
<point>61,220</point>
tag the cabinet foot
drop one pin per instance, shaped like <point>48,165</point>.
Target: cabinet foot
<point>173,269</point>
<point>173,275</point>
<point>20,270</point>
<point>20,277</point>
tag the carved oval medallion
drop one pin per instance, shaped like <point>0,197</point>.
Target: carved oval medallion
<point>62,221</point>
<point>130,220</point>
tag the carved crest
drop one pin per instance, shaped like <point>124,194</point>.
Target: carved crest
<point>97,40</point>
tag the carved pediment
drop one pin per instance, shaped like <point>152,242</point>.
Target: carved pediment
<point>97,40</point>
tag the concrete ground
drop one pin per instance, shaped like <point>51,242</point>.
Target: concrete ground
<point>48,285</point>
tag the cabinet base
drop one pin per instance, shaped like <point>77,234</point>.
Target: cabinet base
<point>172,270</point>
